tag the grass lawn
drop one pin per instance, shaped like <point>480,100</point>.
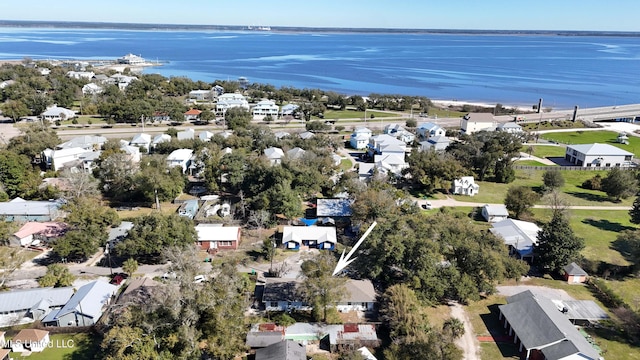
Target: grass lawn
<point>543,151</point>
<point>165,207</point>
<point>437,315</point>
<point>444,113</point>
<point>550,125</point>
<point>589,137</point>
<point>530,163</point>
<point>345,164</point>
<point>66,346</point>
<point>353,114</point>
<point>629,290</point>
<point>483,315</point>
<point>599,229</point>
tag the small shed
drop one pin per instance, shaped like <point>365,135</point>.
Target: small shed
<point>574,274</point>
<point>495,213</point>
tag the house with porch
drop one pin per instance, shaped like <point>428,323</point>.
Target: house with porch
<point>542,331</point>
<point>282,294</point>
<point>428,130</point>
<point>317,237</point>
<point>510,127</point>
<point>465,185</point>
<point>360,138</point>
<point>520,236</point>
<point>214,237</point>
<point>141,140</point>
<point>266,107</point>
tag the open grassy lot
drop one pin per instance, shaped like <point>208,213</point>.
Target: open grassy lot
<point>589,137</point>
<point>549,125</point>
<point>483,315</point>
<point>543,151</point>
<point>526,162</point>
<point>444,113</point>
<point>354,114</point>
<point>64,347</point>
<point>165,208</point>
<point>599,229</point>
<point>491,192</point>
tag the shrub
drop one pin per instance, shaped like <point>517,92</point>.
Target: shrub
<point>595,183</point>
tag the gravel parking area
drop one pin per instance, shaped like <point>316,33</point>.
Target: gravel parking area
<point>553,294</point>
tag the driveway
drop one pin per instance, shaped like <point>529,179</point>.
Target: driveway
<point>467,342</point>
<point>553,294</point>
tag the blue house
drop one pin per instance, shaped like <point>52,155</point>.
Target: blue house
<point>189,209</point>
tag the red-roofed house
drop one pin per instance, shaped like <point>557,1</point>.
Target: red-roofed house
<point>34,233</point>
<point>193,114</point>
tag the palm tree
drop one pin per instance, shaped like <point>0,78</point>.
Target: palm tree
<point>130,266</point>
<point>453,328</point>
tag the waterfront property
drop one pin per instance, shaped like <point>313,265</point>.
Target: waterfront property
<point>598,155</point>
<point>474,122</point>
<point>266,107</point>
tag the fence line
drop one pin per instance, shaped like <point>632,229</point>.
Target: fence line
<point>574,168</point>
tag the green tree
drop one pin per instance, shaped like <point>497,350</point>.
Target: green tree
<point>620,184</point>
<point>155,177</point>
<point>207,115</point>
<point>552,179</point>
<point>11,260</point>
<point>635,211</point>
<point>237,118</point>
<point>34,139</point>
<point>76,245</point>
<point>403,313</point>
<point>154,232</point>
<point>557,244</point>
<point>453,328</point>
<point>432,170</point>
<point>57,275</point>
<point>17,177</point>
<point>411,123</point>
<point>519,200</point>
<point>14,109</point>
<point>319,287</point>
<point>130,266</point>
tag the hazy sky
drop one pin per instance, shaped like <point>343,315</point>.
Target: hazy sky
<point>614,15</point>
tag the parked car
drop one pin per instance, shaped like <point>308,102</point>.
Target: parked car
<point>169,275</point>
<point>117,279</point>
<point>199,279</point>
<point>427,206</point>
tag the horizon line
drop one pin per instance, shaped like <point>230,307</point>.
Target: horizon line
<point>276,28</point>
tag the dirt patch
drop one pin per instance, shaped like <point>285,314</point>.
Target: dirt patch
<point>467,342</point>
<point>553,294</point>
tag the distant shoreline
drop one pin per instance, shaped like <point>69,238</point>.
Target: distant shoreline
<point>290,29</point>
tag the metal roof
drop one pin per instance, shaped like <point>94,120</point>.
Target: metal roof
<point>599,149</point>
<point>334,207</point>
<point>88,300</point>
<point>17,300</point>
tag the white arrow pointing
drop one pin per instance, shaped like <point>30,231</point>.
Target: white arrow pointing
<point>344,261</point>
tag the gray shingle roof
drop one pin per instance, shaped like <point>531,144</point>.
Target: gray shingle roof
<point>574,269</point>
<point>284,350</point>
<point>539,324</point>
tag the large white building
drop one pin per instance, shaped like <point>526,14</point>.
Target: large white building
<point>229,101</point>
<point>598,155</point>
<point>475,122</point>
<point>181,158</point>
<point>266,107</point>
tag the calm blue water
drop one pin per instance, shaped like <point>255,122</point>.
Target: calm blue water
<point>510,69</point>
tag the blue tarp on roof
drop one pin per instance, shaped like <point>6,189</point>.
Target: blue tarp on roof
<point>308,222</point>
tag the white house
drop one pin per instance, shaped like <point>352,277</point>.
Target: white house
<point>281,135</point>
<point>141,140</point>
<point>386,144</point>
<point>205,136</point>
<point>465,185</point>
<point>229,101</point>
<point>390,163</point>
<point>218,237</point>
<point>519,236</point>
<point>86,75</point>
<point>131,59</point>
<point>200,95</point>
<point>360,138</point>
<point>266,107</point>
<point>289,109</point>
<point>181,158</point>
<point>57,159</point>
<point>121,80</point>
<point>296,153</point>
<point>92,89</point>
<point>132,152</point>
<point>392,129</point>
<point>31,340</point>
<point>87,142</point>
<point>495,213</point>
<point>437,143</point>
<point>598,155</point>
<point>427,130</point>
<point>510,127</point>
<point>474,122</point>
<point>319,237</point>
<point>56,113</point>
<point>160,138</point>
<point>188,134</point>
<point>274,155</point>
<point>192,115</point>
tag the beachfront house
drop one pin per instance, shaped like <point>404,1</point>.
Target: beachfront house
<point>510,127</point>
<point>465,185</point>
<point>598,155</point>
<point>131,59</point>
<point>474,122</point>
